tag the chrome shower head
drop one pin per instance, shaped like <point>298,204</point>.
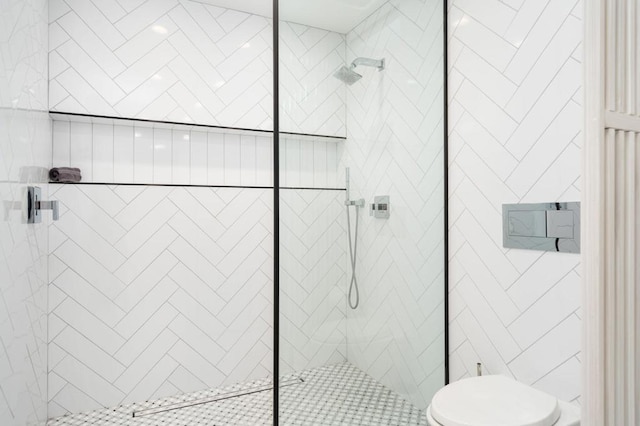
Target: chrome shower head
<point>347,75</point>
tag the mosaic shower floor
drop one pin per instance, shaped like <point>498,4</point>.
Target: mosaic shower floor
<point>337,394</point>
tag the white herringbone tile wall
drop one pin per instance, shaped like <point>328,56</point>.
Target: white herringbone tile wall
<point>515,136</point>
<point>157,291</point>
<point>395,147</point>
<point>312,101</point>
<point>164,290</point>
<point>313,329</point>
<point>25,156</point>
<point>164,60</point>
<point>186,61</point>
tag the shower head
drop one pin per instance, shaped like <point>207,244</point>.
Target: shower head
<point>349,76</point>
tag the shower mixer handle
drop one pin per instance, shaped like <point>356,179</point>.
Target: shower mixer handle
<point>35,205</point>
<point>54,206</point>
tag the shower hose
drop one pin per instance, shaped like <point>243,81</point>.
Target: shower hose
<point>353,250</point>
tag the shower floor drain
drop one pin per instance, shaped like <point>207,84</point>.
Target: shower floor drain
<point>216,398</point>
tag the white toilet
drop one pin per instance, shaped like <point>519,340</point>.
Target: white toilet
<point>498,401</point>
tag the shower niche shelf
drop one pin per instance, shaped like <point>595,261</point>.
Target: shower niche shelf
<point>182,126</point>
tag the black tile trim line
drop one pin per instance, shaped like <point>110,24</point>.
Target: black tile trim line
<point>204,126</point>
<point>180,185</point>
<point>276,213</point>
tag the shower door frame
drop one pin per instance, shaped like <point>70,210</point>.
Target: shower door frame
<point>276,212</point>
<point>276,201</point>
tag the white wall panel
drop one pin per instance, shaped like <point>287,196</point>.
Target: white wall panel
<point>313,279</point>
<point>191,62</point>
<point>311,100</point>
<point>395,147</point>
<point>25,156</point>
<point>515,136</point>
<point>125,153</point>
<point>144,296</point>
<point>161,290</point>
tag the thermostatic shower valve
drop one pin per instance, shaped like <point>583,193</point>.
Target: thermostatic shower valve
<point>380,207</point>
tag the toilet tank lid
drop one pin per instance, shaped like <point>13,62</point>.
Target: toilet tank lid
<point>493,401</point>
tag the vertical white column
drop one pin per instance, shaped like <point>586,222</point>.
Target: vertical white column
<point>611,225</point>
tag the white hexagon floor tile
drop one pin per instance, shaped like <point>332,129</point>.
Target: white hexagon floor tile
<point>339,394</point>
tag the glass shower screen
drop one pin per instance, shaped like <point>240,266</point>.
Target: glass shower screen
<point>362,211</point>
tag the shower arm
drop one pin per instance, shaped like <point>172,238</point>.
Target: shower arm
<point>375,63</point>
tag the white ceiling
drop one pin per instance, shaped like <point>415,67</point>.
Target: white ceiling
<point>334,15</point>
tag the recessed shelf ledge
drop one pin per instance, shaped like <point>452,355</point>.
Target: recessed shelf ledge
<point>172,125</point>
<point>187,185</point>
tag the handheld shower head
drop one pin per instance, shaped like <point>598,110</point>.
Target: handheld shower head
<point>349,76</point>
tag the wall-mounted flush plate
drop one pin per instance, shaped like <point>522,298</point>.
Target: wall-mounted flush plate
<point>380,207</point>
<point>544,226</point>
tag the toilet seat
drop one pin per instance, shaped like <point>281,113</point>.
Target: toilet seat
<point>492,401</point>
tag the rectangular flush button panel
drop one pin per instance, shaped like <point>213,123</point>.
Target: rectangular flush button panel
<point>527,223</point>
<point>560,224</point>
<point>544,226</point>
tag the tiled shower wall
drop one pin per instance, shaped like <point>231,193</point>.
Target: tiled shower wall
<point>124,153</point>
<point>186,61</point>
<point>313,279</point>
<point>157,291</point>
<point>162,290</point>
<point>515,136</point>
<point>167,289</point>
<point>25,155</point>
<point>395,147</point>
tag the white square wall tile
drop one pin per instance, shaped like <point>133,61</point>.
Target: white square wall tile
<point>61,143</point>
<point>81,148</point>
<point>123,153</point>
<point>162,152</point>
<point>103,145</point>
<point>232,160</point>
<point>292,162</point>
<point>199,156</point>
<point>248,160</point>
<point>143,154</point>
<point>306,163</point>
<point>320,166</point>
<point>215,159</point>
<point>264,161</point>
<point>180,157</point>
